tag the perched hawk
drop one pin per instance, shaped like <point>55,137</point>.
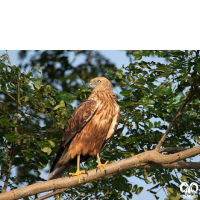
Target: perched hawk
<point>88,130</point>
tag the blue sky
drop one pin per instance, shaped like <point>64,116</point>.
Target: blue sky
<point>119,58</point>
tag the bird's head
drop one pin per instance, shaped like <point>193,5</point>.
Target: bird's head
<point>100,83</point>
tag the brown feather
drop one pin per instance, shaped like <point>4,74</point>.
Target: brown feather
<point>89,128</point>
<point>75,123</point>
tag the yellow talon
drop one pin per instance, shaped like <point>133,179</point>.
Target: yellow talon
<point>78,172</point>
<point>100,164</point>
<point>103,165</point>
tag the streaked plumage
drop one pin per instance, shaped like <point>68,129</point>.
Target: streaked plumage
<point>88,129</point>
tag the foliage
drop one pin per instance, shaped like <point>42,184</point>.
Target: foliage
<point>33,114</point>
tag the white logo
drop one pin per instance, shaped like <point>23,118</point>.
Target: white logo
<point>189,190</point>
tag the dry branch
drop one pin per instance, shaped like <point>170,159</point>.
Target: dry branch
<point>52,194</point>
<point>142,160</point>
<point>172,149</point>
<point>149,165</point>
<point>8,170</point>
<point>180,112</point>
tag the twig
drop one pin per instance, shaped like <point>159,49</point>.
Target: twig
<point>52,194</point>
<point>180,112</point>
<point>9,95</point>
<point>8,58</point>
<point>8,170</point>
<point>197,53</point>
<point>89,58</point>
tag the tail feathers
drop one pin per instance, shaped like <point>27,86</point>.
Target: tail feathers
<point>58,172</point>
<point>65,167</point>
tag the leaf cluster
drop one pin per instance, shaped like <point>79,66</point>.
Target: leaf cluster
<point>33,113</point>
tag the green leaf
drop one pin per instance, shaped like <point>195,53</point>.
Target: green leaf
<point>26,98</point>
<point>125,92</point>
<point>140,81</point>
<point>172,194</point>
<point>176,179</point>
<point>139,190</point>
<point>2,65</point>
<point>61,105</point>
<point>7,122</point>
<point>48,88</point>
<point>47,150</point>
<point>134,188</point>
<point>147,101</point>
<point>4,88</point>
<point>67,97</point>
<point>10,138</point>
<point>184,178</point>
<point>37,84</point>
<point>30,74</point>
<point>197,68</point>
<point>137,55</point>
<point>110,72</point>
<point>147,181</point>
<point>51,143</point>
<point>150,125</point>
<point>166,69</point>
<point>166,177</point>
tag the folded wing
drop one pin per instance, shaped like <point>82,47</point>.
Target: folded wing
<point>75,124</point>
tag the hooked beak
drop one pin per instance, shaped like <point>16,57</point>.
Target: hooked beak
<point>90,86</point>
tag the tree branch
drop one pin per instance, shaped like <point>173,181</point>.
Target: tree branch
<point>8,170</point>
<point>172,149</point>
<point>149,165</point>
<point>167,159</point>
<point>178,165</point>
<point>52,194</point>
<point>142,160</point>
<point>180,112</point>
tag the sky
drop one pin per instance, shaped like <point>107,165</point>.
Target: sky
<point>119,58</point>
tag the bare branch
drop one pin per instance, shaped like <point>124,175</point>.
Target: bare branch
<point>178,165</point>
<point>149,165</point>
<point>145,159</point>
<point>180,112</point>
<point>164,159</point>
<point>172,149</point>
<point>124,124</point>
<point>52,194</point>
<point>8,170</point>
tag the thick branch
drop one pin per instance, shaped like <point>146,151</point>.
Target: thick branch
<point>149,165</point>
<point>178,165</point>
<point>180,112</point>
<point>137,161</point>
<point>167,159</point>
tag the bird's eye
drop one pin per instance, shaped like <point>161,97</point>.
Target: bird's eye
<point>98,81</point>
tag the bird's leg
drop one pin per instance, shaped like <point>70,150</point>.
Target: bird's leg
<point>100,164</point>
<point>78,172</point>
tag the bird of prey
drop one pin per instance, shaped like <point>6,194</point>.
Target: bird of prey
<point>88,129</point>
